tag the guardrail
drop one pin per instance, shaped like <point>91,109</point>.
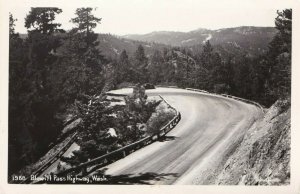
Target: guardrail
<point>196,90</point>
<point>244,100</point>
<point>229,96</point>
<point>162,86</point>
<point>56,156</point>
<point>124,151</point>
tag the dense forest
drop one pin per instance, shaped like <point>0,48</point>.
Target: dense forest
<point>51,69</point>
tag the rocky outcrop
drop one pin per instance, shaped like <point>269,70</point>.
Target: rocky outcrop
<point>263,157</point>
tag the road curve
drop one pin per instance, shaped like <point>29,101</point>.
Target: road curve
<point>195,150</point>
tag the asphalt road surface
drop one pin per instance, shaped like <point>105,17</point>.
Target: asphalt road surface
<point>196,149</point>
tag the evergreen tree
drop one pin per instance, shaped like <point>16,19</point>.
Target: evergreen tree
<point>243,79</point>
<point>156,67</point>
<point>41,99</point>
<point>140,65</point>
<point>219,77</point>
<point>140,55</point>
<point>229,74</point>
<point>86,22</point>
<point>12,24</point>
<point>20,143</point>
<point>124,69</point>
<point>32,107</point>
<point>280,55</point>
<point>206,56</point>
<point>82,45</point>
<point>209,70</point>
<point>42,19</point>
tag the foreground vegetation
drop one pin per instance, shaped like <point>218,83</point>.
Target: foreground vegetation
<point>106,128</point>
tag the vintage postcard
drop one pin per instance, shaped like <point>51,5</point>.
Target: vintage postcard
<point>155,92</point>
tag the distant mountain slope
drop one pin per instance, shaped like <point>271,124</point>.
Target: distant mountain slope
<point>251,39</point>
<point>112,45</point>
<point>173,38</point>
<point>237,41</point>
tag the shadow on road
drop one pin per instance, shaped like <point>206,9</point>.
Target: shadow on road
<point>141,178</point>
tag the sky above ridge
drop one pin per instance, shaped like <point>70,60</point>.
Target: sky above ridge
<point>121,17</point>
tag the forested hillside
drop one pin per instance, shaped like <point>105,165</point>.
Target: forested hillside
<point>112,46</point>
<point>252,39</point>
<point>50,69</point>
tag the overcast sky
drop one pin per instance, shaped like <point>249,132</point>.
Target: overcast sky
<point>122,17</point>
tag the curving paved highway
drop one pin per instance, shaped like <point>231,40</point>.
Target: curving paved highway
<point>196,149</point>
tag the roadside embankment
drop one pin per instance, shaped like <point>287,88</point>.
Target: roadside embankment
<point>263,157</point>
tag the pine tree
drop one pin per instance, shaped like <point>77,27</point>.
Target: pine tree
<point>12,24</point>
<point>33,106</point>
<point>20,143</point>
<point>140,65</point>
<point>124,69</point>
<point>42,101</point>
<point>86,22</point>
<point>156,67</point>
<point>41,19</point>
<point>280,55</point>
<point>82,46</point>
<point>229,74</point>
<point>206,56</point>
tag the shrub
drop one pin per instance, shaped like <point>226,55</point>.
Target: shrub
<point>163,115</point>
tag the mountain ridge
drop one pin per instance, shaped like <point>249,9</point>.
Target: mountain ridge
<point>253,39</point>
<point>244,39</point>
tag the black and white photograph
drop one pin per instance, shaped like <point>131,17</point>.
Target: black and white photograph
<point>153,92</point>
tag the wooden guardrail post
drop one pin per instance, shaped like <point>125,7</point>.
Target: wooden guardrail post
<point>105,161</point>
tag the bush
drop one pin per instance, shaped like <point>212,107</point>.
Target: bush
<point>163,115</point>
